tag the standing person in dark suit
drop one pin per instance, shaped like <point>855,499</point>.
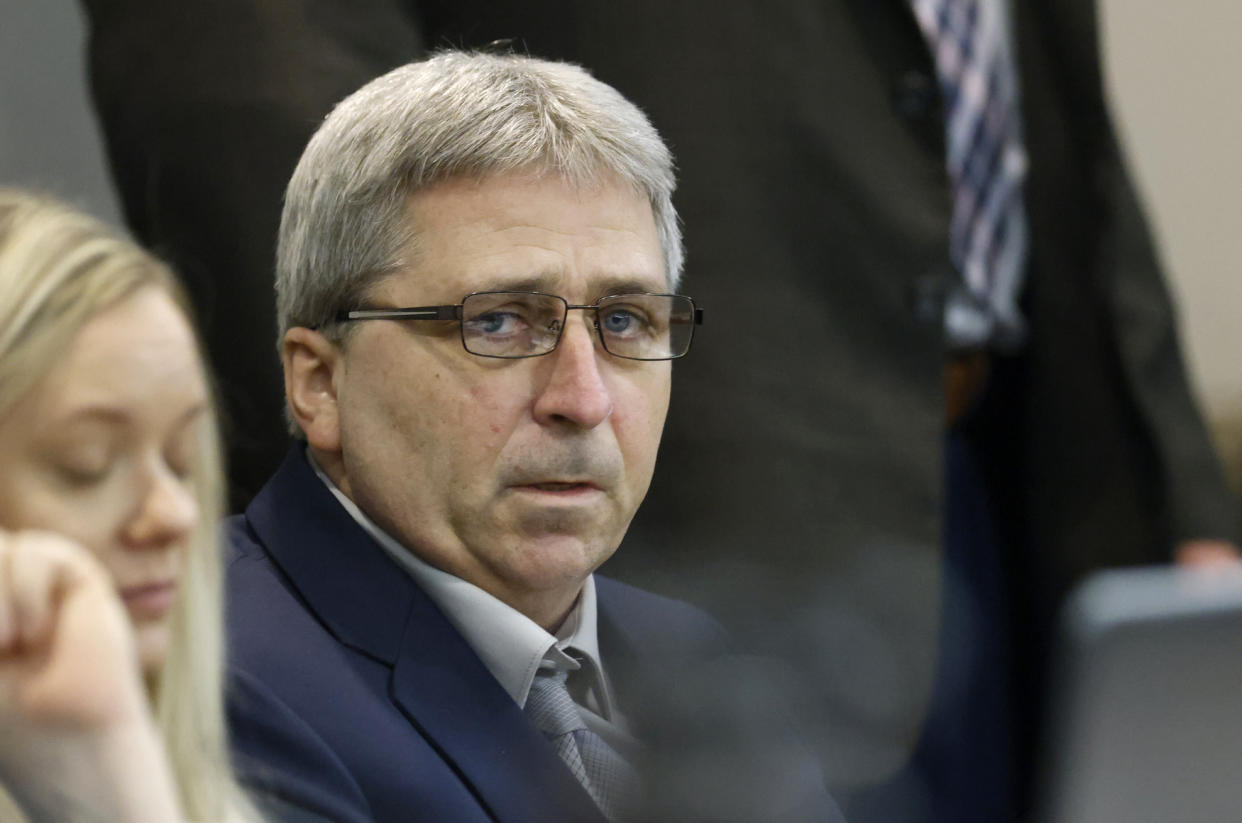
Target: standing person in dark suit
<point>474,285</point>
<point>804,450</point>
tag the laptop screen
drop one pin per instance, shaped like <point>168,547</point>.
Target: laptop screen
<point>1147,708</point>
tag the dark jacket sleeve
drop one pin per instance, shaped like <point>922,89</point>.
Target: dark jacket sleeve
<point>1103,311</point>
<point>1197,502</point>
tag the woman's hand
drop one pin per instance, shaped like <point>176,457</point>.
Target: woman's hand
<point>67,657</point>
<point>77,741</point>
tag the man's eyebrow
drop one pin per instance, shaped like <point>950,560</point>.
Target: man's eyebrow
<point>538,282</point>
<point>547,282</point>
<point>630,286</point>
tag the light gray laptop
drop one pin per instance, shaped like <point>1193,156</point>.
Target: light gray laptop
<point>1147,712</point>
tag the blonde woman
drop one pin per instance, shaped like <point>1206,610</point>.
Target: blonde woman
<point>110,488</point>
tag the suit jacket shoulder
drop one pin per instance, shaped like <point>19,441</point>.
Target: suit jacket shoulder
<point>352,696</point>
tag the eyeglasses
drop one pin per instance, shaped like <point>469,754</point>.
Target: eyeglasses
<point>512,324</point>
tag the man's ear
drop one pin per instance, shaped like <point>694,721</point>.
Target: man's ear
<point>312,363</point>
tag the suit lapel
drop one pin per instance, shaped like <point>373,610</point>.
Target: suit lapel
<point>438,682</point>
<point>347,581</point>
<point>444,689</point>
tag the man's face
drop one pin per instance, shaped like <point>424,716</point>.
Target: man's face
<point>520,476</point>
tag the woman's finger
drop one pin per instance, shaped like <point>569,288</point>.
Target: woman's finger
<point>41,570</point>
<point>35,565</point>
<point>7,629</point>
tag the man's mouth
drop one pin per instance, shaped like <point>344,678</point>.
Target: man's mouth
<point>560,487</point>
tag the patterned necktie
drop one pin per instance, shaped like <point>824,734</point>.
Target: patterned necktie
<point>986,164</point>
<point>607,777</point>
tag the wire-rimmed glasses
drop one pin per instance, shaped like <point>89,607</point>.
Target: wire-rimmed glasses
<point>512,324</point>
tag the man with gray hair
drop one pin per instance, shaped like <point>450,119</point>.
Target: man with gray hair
<point>476,279</point>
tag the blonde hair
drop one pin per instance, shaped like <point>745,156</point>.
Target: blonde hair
<point>58,269</point>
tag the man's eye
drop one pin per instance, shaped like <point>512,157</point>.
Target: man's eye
<point>496,322</point>
<point>623,321</point>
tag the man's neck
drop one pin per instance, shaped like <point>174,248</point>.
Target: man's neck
<point>332,465</point>
<point>548,609</point>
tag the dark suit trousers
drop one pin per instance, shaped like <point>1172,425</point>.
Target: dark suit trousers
<point>962,769</point>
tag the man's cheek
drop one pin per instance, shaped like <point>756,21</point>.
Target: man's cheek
<point>486,416</point>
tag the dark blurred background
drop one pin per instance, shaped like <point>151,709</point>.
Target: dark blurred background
<point>1171,69</point>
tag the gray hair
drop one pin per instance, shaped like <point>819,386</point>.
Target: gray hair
<point>457,114</point>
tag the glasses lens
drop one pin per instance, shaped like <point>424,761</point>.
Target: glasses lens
<point>646,326</point>
<point>511,324</point>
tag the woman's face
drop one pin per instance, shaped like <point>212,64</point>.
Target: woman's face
<point>101,450</point>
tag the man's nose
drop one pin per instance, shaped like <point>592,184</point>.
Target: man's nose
<point>167,511</point>
<point>575,390</point>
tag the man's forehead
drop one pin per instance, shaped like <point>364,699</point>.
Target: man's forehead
<point>407,283</point>
<point>507,213</point>
<point>531,233</point>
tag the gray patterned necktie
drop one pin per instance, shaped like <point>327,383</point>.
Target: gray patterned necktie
<point>607,777</point>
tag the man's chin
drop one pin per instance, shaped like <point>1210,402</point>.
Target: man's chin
<point>553,560</point>
<point>585,514</point>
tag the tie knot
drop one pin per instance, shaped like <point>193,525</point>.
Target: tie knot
<point>608,778</point>
<point>550,706</point>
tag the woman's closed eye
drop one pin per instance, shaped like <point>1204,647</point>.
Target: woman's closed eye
<point>83,466</point>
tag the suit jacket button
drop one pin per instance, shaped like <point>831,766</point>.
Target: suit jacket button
<point>928,293</point>
<point>916,95</point>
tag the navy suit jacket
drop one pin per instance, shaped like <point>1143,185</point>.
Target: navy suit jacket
<point>353,698</point>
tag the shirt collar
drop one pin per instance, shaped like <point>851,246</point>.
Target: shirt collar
<point>511,645</point>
